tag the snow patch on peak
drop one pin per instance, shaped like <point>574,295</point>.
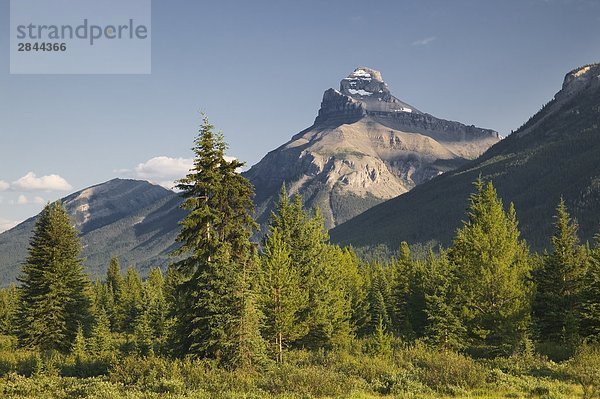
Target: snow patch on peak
<point>365,74</point>
<point>360,92</point>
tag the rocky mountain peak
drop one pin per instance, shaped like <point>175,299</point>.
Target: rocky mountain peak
<point>365,82</point>
<point>364,147</point>
<point>362,92</point>
<point>580,79</point>
<point>366,73</point>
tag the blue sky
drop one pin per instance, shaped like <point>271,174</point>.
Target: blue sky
<point>259,69</point>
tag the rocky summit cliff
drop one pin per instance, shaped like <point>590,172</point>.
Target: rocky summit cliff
<point>555,154</point>
<point>365,146</point>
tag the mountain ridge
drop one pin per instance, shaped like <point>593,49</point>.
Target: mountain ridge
<point>554,153</point>
<point>132,219</point>
<point>365,146</point>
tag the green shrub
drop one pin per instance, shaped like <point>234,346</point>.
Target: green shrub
<point>8,342</point>
<point>308,381</point>
<point>445,371</point>
<point>29,365</point>
<point>141,372</point>
<point>584,369</point>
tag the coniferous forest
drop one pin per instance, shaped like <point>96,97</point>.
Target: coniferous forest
<point>289,315</point>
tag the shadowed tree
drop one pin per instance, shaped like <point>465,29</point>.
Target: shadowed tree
<point>55,293</point>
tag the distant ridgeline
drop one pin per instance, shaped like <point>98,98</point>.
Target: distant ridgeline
<point>556,153</point>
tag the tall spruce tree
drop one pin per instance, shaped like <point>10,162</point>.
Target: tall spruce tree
<point>215,308</point>
<point>493,263</point>
<point>54,291</point>
<point>559,283</point>
<point>590,308</point>
<point>115,285</point>
<point>444,327</point>
<point>380,298</point>
<point>353,281</point>
<point>283,298</point>
<point>100,340</point>
<point>155,304</point>
<point>132,301</point>
<point>402,268</point>
<point>327,313</point>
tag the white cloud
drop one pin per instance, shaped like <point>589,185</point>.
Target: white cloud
<point>423,42</point>
<point>39,201</point>
<point>4,185</point>
<point>22,200</point>
<point>7,224</point>
<point>30,182</point>
<point>162,170</point>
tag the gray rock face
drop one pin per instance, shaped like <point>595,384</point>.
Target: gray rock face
<point>364,147</point>
<point>583,78</point>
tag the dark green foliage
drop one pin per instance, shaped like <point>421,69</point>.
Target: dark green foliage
<point>215,309</point>
<point>590,307</point>
<point>493,264</point>
<point>559,284</point>
<point>55,294</point>
<point>381,304</point>
<point>116,288</point>
<point>403,267</point>
<point>131,301</point>
<point>442,296</point>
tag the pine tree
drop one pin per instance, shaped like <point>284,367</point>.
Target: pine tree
<point>9,302</point>
<point>115,285</point>
<point>591,296</point>
<point>79,346</point>
<point>559,283</point>
<point>283,298</point>
<point>142,335</point>
<point>102,298</point>
<point>100,340</point>
<point>156,304</point>
<point>380,299</point>
<point>328,311</point>
<point>330,298</point>
<point>402,268</point>
<point>55,293</point>
<point>493,263</point>
<point>381,340</point>
<point>132,299</point>
<point>416,315</point>
<point>444,327</point>
<point>353,281</point>
<point>216,314</point>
